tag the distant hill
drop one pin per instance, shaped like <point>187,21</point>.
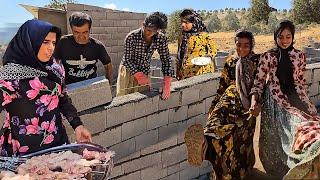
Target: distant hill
<point>8,31</point>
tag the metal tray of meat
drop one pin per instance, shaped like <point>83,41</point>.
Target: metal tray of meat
<point>100,168</point>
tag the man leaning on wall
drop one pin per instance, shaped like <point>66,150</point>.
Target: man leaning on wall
<point>140,44</point>
<point>79,52</point>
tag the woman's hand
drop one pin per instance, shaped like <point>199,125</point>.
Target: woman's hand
<point>255,108</point>
<point>82,134</point>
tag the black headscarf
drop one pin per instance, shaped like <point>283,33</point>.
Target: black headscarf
<point>285,67</point>
<point>197,27</point>
<point>25,45</point>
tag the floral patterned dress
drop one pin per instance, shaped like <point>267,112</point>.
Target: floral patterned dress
<point>289,138</point>
<point>199,45</point>
<point>34,108</point>
<point>228,131</point>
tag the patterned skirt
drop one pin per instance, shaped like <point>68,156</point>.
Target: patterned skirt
<point>229,134</point>
<point>277,135</point>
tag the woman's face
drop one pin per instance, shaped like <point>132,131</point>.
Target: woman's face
<point>47,47</point>
<point>186,25</point>
<point>284,40</point>
<point>243,47</point>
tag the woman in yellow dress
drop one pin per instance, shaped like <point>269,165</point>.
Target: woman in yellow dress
<point>195,42</point>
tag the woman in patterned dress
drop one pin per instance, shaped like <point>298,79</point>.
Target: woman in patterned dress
<point>227,138</point>
<point>33,93</point>
<point>290,128</point>
<point>195,42</point>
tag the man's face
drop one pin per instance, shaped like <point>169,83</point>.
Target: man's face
<point>149,32</point>
<point>81,34</point>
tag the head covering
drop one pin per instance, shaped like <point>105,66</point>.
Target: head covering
<point>23,49</point>
<point>197,27</point>
<point>285,66</point>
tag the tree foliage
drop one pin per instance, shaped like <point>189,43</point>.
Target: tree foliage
<point>59,4</point>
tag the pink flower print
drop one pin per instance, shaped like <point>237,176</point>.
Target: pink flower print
<point>45,125</point>
<point>52,127</point>
<point>6,123</point>
<point>36,84</point>
<point>23,149</point>
<point>9,139</point>
<point>15,146</point>
<point>31,129</point>
<point>45,99</point>
<point>8,98</point>
<point>48,139</point>
<point>7,84</point>
<point>2,140</point>
<point>35,121</point>
<point>54,103</point>
<point>59,89</point>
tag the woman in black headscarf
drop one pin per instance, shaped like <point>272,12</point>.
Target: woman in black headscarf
<point>290,128</point>
<point>33,93</point>
<point>195,42</point>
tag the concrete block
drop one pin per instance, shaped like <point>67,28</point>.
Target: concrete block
<point>178,114</point>
<point>90,93</point>
<point>209,88</point>
<point>182,127</point>
<point>196,109</point>
<point>131,23</point>
<point>314,89</point>
<point>208,102</point>
<point>109,137</point>
<point>189,173</point>
<point>173,101</point>
<point>172,177</point>
<point>205,168</point>
<point>113,16</point>
<point>132,176</point>
<point>104,37</point>
<point>133,128</point>
<point>170,130</point>
<point>308,76</point>
<point>190,95</point>
<point>116,171</point>
<point>123,30</point>
<point>154,173</point>
<point>106,23</point>
<point>200,119</point>
<point>141,163</point>
<point>316,75</point>
<point>166,143</point>
<point>95,122</point>
<point>115,115</point>
<point>174,155</point>
<point>146,106</point>
<point>98,30</point>
<point>124,148</point>
<point>95,23</point>
<point>93,8</point>
<point>116,49</point>
<point>173,169</point>
<point>119,36</point>
<point>157,120</point>
<point>130,157</point>
<point>110,30</point>
<point>100,15</point>
<point>75,7</point>
<point>147,139</point>
<point>120,23</point>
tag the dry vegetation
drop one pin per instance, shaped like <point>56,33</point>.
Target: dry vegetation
<point>225,41</point>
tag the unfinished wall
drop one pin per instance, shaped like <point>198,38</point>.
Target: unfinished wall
<point>312,52</point>
<point>110,27</point>
<point>55,17</point>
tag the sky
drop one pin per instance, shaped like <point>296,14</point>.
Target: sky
<point>11,12</point>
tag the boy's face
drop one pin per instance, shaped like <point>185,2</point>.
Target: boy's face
<point>149,32</point>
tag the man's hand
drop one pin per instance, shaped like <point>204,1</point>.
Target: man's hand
<point>82,134</point>
<point>142,79</point>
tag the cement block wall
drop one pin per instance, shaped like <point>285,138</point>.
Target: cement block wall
<point>147,133</point>
<point>110,27</point>
<point>312,52</point>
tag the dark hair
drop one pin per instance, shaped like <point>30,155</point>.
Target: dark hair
<point>156,20</point>
<point>79,19</point>
<point>56,30</point>
<point>242,33</point>
<point>285,24</point>
<point>188,14</point>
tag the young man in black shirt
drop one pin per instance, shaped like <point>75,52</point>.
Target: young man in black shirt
<point>139,47</point>
<point>79,52</point>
